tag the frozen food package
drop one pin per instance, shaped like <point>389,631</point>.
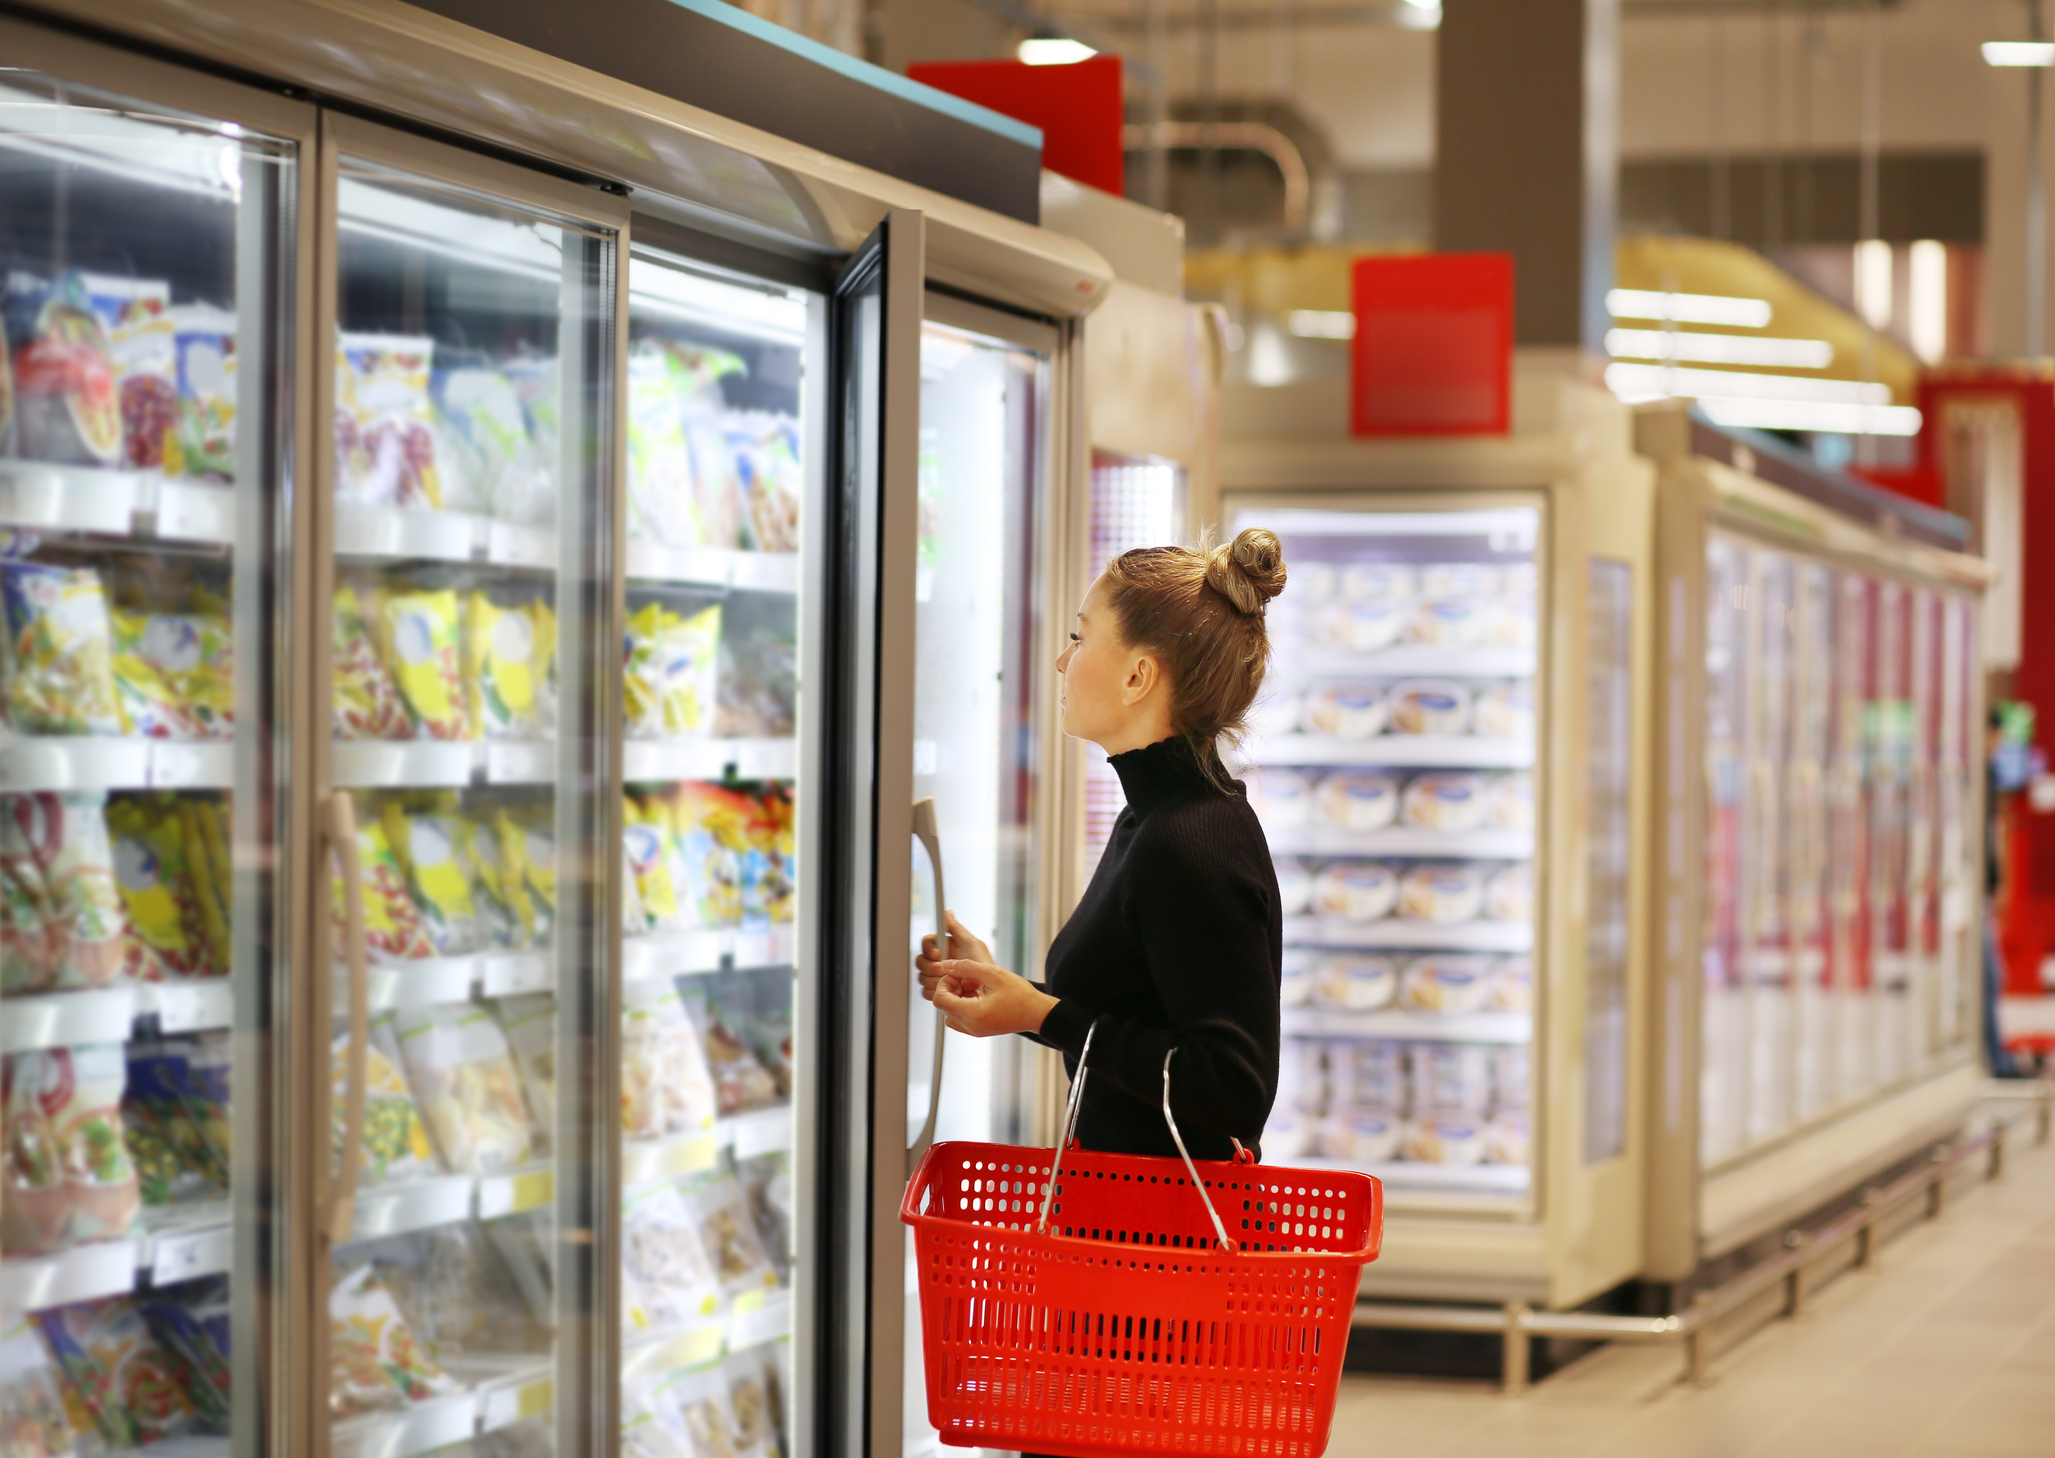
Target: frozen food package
<point>1372,1136</point>
<point>61,918</point>
<point>463,1075</point>
<point>142,342</point>
<point>767,1180</point>
<point>741,1082</point>
<point>1281,798</point>
<point>1287,1135</point>
<point>1294,885</point>
<point>160,1172</point>
<point>645,842</point>
<point>1430,706</point>
<point>202,443</point>
<point>424,836</point>
<point>150,706</point>
<point>729,1237</point>
<point>1363,625</point>
<point>526,1248</point>
<point>193,1327</point>
<point>1346,710</point>
<point>66,404</point>
<point>1509,803</point>
<point>1355,891</point>
<point>1446,1136</point>
<point>1515,621</point>
<point>422,636</point>
<point>60,650</point>
<point>1379,580</point>
<point>1451,1076</point>
<point>176,1160</point>
<point>377,1364</point>
<point>1357,800</point>
<point>489,463</point>
<point>507,661</point>
<point>529,832</point>
<point>667,1279</point>
<point>537,382</point>
<point>33,1423</point>
<point>1451,800</point>
<point>454,1291</point>
<point>36,1213</point>
<point>6,390</point>
<point>396,1143</point>
<point>122,1384</point>
<point>1457,622</point>
<point>504,911</point>
<point>1296,980</point>
<point>660,506</point>
<point>530,1026</point>
<point>1509,894</point>
<point>1442,893</point>
<point>749,1403</point>
<point>1356,981</point>
<point>758,678</point>
<point>1315,581</point>
<point>1512,986</point>
<point>708,871</point>
<point>1506,711</point>
<point>696,373</point>
<point>69,1100</point>
<point>392,926</point>
<point>1465,580</point>
<point>1512,1076</point>
<point>534,1437</point>
<point>691,650</point>
<point>644,1430</point>
<point>766,450</point>
<point>1508,1139</point>
<point>1446,984</point>
<point>202,1067</point>
<point>367,700</point>
<point>666,1084</point>
<point>384,421</point>
<point>1302,1075</point>
<point>1368,1073</point>
<point>694,1404</point>
<point>192,656</point>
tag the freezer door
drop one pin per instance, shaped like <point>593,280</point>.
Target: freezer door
<point>470,696</point>
<point>155,231</point>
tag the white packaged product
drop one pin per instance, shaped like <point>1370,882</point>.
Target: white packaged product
<point>1364,624</point>
<point>1509,894</point>
<point>1460,580</point>
<point>1288,1135</point>
<point>1509,803</point>
<point>1508,1139</point>
<point>1279,797</point>
<point>1446,1137</point>
<point>1443,893</point>
<point>1452,622</point>
<point>1357,800</point>
<point>1512,986</point>
<point>667,1278</point>
<point>1314,581</point>
<point>1274,712</point>
<point>1379,579</point>
<point>1345,710</point>
<point>1295,984</point>
<point>1516,622</point>
<point>1294,885</point>
<point>470,1096</point>
<point>1355,891</point>
<point>1375,1136</point>
<point>1430,706</point>
<point>1444,800</point>
<point>1506,711</point>
<point>1446,984</point>
<point>1367,1073</point>
<point>1301,1076</point>
<point>1451,1076</point>
<point>1356,981</point>
<point>1512,1076</point>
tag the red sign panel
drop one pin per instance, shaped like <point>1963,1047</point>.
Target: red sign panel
<point>1078,108</point>
<point>1433,351</point>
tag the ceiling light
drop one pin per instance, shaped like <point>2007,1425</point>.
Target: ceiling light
<point>1055,51</point>
<point>1813,415</point>
<point>1321,323</point>
<point>1688,308</point>
<point>2019,53</point>
<point>1647,379</point>
<point>1733,349</point>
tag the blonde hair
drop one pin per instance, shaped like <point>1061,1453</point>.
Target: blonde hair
<point>1200,612</point>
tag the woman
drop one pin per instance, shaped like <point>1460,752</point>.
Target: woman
<point>1177,942</point>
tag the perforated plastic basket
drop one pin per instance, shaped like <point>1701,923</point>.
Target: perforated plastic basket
<point>1125,1327</point>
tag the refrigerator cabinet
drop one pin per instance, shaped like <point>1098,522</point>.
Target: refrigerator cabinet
<point>1818,895</point>
<point>1406,1064</point>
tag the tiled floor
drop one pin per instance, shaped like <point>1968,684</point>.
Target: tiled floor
<point>1946,1349</point>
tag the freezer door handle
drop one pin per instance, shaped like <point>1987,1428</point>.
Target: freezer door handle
<point>925,831</point>
<point>339,823</point>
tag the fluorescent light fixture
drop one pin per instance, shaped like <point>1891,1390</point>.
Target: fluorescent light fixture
<point>1048,51</point>
<point>1688,308</point>
<point>1813,415</point>
<point>1321,323</point>
<point>1732,349</point>
<point>1926,289</point>
<point>2019,53</point>
<point>1655,379</point>
<point>1418,15</point>
<point>1873,282</point>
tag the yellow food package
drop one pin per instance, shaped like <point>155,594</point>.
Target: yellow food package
<point>505,661</point>
<point>367,703</point>
<point>420,632</point>
<point>426,838</point>
<point>646,833</point>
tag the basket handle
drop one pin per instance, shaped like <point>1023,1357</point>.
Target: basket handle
<point>1077,1091</point>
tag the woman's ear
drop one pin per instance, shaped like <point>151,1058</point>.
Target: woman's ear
<point>1142,677</point>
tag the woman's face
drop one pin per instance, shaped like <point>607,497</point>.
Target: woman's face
<point>1107,686</point>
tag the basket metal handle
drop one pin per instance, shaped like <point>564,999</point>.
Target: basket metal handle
<point>1077,1092</point>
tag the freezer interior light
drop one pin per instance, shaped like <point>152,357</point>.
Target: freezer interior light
<point>1813,415</point>
<point>1055,51</point>
<point>2019,53</point>
<point>1321,323</point>
<point>1688,308</point>
<point>1655,380</point>
<point>1736,349</point>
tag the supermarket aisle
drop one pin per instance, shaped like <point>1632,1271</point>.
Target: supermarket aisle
<point>1945,1351</point>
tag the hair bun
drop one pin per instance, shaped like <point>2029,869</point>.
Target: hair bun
<point>1248,571</point>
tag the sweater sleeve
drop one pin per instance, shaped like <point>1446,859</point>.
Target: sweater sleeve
<point>1206,930</point>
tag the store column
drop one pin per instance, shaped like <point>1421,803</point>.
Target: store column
<point>1527,155</point>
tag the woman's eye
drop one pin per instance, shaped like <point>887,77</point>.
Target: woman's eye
<point>1075,639</point>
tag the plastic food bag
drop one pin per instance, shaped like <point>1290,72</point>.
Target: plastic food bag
<point>729,1237</point>
<point>392,927</point>
<point>490,464</point>
<point>533,835</point>
<point>530,1025</point>
<point>498,888</point>
<point>421,633</point>
<point>378,1364</point>
<point>367,701</point>
<point>768,1182</point>
<point>508,653</point>
<point>396,1143</point>
<point>384,435</point>
<point>203,444</point>
<point>458,1062</point>
<point>32,1419</point>
<point>141,341</point>
<point>696,373</point>
<point>667,1279</point>
<point>122,1383</point>
<point>195,1331</point>
<point>659,463</point>
<point>191,656</point>
<point>645,838</point>
<point>673,671</point>
<point>202,1069</point>
<point>149,705</point>
<point>706,871</point>
<point>759,678</point>
<point>740,1079</point>
<point>454,1291</point>
<point>425,843</point>
<point>766,450</point>
<point>749,1402</point>
<point>525,1246</point>
<point>644,1432</point>
<point>61,922</point>
<point>66,404</point>
<point>170,858</point>
<point>172,1157</point>
<point>694,1405</point>
<point>60,650</point>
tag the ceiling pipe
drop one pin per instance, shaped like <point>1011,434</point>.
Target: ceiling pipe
<point>1236,136</point>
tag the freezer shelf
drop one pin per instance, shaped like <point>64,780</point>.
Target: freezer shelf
<point>53,763</point>
<point>664,760</point>
<point>1504,1179</point>
<point>367,532</point>
<point>174,1243</point>
<point>1402,840</point>
<point>1432,751</point>
<point>749,1320</point>
<point>108,1014</point>
<point>1412,660</point>
<point>715,568</point>
<point>1461,936</point>
<point>140,504</point>
<point>381,764</point>
<point>1409,1026</point>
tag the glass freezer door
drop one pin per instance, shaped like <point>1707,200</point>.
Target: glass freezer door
<point>472,833</point>
<point>145,490</point>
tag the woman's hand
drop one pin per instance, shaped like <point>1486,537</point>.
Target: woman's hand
<point>985,1001</point>
<point>961,944</point>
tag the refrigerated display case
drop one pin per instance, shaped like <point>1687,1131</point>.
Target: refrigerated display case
<point>1820,857</point>
<point>1445,761</point>
<point>475,641</point>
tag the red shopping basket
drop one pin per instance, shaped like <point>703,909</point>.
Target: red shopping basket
<point>1119,1322</point>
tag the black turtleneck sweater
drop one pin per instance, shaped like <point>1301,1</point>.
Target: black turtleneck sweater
<point>1177,942</point>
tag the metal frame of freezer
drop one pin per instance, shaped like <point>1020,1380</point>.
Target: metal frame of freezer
<point>387,82</point>
<point>1701,1208</point>
<point>1577,1231</point>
